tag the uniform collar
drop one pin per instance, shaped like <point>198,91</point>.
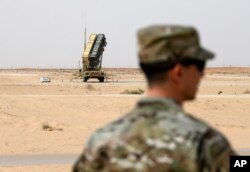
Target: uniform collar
<point>159,101</point>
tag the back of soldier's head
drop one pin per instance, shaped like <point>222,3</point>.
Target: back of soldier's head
<point>163,46</point>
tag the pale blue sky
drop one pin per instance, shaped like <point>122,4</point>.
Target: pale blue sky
<point>50,33</point>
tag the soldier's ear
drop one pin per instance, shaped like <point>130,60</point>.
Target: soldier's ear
<point>176,73</point>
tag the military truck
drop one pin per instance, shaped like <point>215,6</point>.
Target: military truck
<point>92,58</point>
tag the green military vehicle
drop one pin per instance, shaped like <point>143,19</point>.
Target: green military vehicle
<point>92,58</point>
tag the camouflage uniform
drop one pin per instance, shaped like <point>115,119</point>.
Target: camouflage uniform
<point>158,135</point>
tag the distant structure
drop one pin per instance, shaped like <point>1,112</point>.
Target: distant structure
<point>45,79</point>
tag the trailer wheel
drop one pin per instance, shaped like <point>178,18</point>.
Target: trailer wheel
<point>101,79</point>
<point>85,79</point>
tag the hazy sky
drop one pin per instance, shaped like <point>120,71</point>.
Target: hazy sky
<point>50,33</point>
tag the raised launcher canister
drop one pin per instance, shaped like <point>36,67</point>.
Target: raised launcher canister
<point>92,58</point>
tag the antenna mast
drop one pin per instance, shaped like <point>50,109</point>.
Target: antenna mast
<point>85,30</point>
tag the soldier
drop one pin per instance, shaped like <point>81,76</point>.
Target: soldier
<point>158,135</point>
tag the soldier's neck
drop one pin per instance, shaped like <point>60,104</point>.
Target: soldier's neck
<point>167,92</point>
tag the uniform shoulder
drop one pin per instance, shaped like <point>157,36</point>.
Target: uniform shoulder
<point>214,151</point>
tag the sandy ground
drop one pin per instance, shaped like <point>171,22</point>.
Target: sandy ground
<point>72,110</point>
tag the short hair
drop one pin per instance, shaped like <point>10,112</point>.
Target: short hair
<point>156,72</point>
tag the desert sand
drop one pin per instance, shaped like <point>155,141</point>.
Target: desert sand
<point>57,118</point>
